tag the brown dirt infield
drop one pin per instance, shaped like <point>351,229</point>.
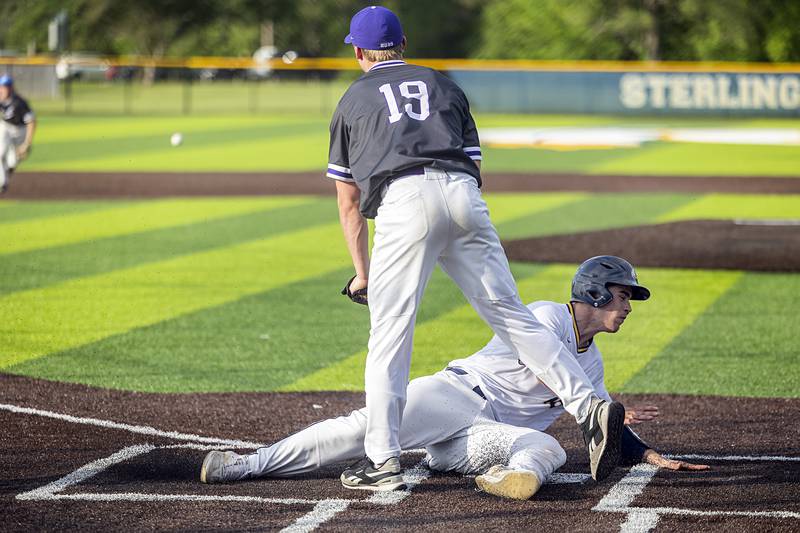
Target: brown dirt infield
<point>707,244</point>
<point>39,450</point>
<point>78,185</point>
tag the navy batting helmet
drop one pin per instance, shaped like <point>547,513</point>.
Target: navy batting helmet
<point>6,80</point>
<point>591,281</point>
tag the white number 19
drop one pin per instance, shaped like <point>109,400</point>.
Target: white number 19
<point>420,93</point>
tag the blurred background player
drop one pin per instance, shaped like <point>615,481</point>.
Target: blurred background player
<point>486,414</point>
<point>16,130</point>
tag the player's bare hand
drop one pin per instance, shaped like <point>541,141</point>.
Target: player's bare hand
<point>654,458</point>
<point>22,151</point>
<point>637,415</point>
<point>356,290</point>
<point>357,284</point>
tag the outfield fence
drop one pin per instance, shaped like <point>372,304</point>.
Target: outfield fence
<point>218,85</point>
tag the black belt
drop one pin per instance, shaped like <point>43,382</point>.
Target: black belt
<point>413,171</point>
<point>461,372</point>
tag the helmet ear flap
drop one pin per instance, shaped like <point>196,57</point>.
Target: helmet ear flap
<point>595,295</point>
<point>600,295</point>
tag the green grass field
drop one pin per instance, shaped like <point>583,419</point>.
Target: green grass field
<point>237,294</point>
<point>282,126</point>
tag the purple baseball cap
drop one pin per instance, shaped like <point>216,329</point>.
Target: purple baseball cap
<point>375,28</point>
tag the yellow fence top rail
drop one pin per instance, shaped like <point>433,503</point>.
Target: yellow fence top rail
<point>346,63</point>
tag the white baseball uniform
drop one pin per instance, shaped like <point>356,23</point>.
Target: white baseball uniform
<point>16,115</point>
<point>483,410</point>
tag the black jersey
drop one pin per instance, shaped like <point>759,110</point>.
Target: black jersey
<point>16,111</point>
<point>397,117</point>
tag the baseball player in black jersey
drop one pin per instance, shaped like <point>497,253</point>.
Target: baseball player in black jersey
<point>16,130</point>
<point>404,150</point>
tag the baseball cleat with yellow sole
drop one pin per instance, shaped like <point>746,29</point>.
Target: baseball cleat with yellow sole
<point>509,483</point>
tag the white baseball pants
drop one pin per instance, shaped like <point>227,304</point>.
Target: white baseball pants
<point>443,414</point>
<point>10,138</point>
<point>441,217</point>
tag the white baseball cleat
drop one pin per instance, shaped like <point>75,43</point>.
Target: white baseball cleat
<point>509,483</point>
<point>222,467</point>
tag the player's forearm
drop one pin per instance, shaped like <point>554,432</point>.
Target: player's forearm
<point>355,228</point>
<point>29,131</point>
<point>356,234</point>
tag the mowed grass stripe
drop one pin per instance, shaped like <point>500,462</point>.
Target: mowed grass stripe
<point>696,159</point>
<point>743,345</point>
<point>678,298</point>
<point>249,344</point>
<point>348,374</point>
<point>507,207</point>
<point>137,151</point>
<point>89,258</point>
<point>460,332</point>
<point>146,216</point>
<point>560,213</point>
<point>437,340</point>
<point>291,356</point>
<point>27,210</point>
<point>208,156</point>
<point>257,343</point>
<point>590,213</point>
<point>59,129</point>
<point>85,310</point>
<point>738,206</point>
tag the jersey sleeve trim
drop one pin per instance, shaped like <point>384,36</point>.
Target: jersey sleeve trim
<point>343,170</point>
<point>474,152</point>
<point>340,173</point>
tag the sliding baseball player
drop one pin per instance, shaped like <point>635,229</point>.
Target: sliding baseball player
<point>486,414</point>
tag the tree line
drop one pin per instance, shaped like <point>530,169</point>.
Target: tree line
<point>718,30</point>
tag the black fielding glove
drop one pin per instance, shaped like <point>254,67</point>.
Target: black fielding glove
<point>359,296</point>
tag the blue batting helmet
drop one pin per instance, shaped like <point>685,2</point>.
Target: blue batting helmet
<point>591,281</point>
<point>6,80</point>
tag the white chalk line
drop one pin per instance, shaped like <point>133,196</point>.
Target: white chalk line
<point>48,492</point>
<point>766,458</point>
<point>412,477</point>
<point>321,513</point>
<point>639,521</point>
<point>145,497</point>
<point>626,490</point>
<point>325,511</point>
<point>644,519</point>
<point>52,491</point>
<point>142,430</point>
<point>694,512</point>
<point>621,495</point>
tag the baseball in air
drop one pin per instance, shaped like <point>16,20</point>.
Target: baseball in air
<point>176,139</point>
